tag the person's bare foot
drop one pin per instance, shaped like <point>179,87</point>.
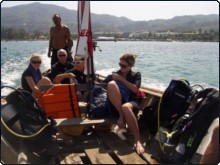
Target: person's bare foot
<point>139,148</point>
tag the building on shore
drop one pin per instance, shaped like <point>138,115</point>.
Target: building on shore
<point>106,39</point>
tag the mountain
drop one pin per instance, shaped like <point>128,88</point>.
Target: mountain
<point>37,17</point>
<point>178,24</point>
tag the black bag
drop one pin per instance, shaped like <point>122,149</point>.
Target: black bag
<point>98,107</point>
<point>175,101</point>
<point>148,118</point>
<point>192,127</point>
<point>33,121</point>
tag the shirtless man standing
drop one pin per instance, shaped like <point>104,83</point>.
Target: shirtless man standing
<point>59,39</point>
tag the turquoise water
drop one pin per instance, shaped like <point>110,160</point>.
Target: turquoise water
<point>159,62</point>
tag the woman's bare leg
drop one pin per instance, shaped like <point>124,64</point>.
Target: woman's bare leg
<point>131,121</point>
<point>114,96</point>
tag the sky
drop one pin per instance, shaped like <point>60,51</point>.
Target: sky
<point>138,10</point>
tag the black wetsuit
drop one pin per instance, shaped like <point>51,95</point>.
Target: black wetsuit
<point>30,72</point>
<point>134,78</point>
<point>24,84</point>
<point>58,68</point>
<point>80,76</point>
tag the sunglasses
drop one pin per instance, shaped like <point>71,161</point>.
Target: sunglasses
<point>123,65</point>
<point>78,62</point>
<point>62,55</point>
<point>36,62</point>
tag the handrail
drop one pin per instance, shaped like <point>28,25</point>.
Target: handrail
<point>152,91</point>
<point>148,90</point>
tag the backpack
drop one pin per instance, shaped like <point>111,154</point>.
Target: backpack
<point>34,130</point>
<point>98,106</point>
<point>174,102</point>
<point>148,118</point>
<point>189,130</point>
<point>171,106</point>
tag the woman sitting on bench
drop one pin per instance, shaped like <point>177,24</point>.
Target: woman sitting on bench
<point>122,88</point>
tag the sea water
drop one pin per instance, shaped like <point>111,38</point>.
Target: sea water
<point>158,62</point>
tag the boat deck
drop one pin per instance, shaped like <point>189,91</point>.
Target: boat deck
<point>96,146</point>
<point>93,146</point>
<point>100,146</point>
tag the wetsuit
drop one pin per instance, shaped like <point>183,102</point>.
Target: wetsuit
<point>30,72</point>
<point>132,77</point>
<point>59,68</point>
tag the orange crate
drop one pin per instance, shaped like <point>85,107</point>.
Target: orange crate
<point>56,101</point>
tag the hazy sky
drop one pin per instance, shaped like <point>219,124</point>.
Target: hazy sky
<point>138,10</point>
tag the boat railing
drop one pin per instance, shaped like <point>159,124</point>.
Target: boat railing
<point>146,90</point>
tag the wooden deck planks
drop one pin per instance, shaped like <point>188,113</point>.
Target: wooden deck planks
<point>93,150</point>
<point>124,152</point>
<point>96,152</point>
<point>99,156</point>
<point>144,134</point>
<point>71,158</point>
<point>149,158</point>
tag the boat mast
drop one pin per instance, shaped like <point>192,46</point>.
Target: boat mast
<point>84,46</point>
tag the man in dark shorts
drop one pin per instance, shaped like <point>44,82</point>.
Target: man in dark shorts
<point>59,39</point>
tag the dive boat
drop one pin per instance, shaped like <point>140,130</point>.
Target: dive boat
<point>82,140</point>
<point>86,141</point>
